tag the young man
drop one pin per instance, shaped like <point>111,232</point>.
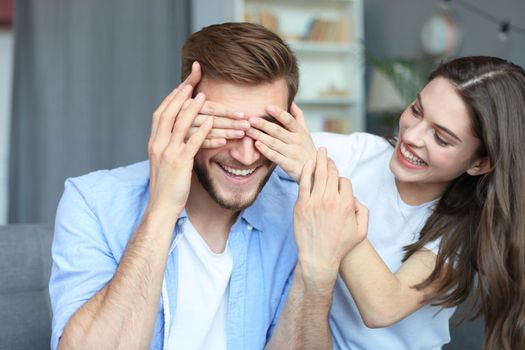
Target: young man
<point>183,251</point>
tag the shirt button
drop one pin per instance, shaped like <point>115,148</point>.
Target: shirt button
<point>180,221</point>
<point>249,227</point>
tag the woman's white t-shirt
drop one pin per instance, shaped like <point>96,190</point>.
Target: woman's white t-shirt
<point>393,224</point>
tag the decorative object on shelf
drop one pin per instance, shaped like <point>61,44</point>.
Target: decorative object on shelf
<point>383,95</point>
<point>440,35</point>
<point>333,91</point>
<point>337,124</point>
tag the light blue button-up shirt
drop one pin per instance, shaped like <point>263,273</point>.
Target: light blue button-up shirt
<point>99,212</point>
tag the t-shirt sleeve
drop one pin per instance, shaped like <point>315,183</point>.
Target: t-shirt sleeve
<point>82,260</point>
<point>347,150</point>
<point>433,246</point>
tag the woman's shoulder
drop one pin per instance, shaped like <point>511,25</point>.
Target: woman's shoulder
<point>354,146</point>
<point>357,139</point>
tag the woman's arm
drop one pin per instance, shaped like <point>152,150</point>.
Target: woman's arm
<point>382,297</point>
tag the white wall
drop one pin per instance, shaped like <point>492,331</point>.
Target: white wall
<point>394,30</point>
<point>206,12</point>
<point>6,68</point>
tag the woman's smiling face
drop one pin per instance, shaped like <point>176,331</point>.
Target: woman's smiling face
<point>436,141</point>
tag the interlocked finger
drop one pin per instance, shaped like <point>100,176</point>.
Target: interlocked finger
<point>185,119</point>
<point>222,122</point>
<point>332,183</point>
<point>219,133</point>
<point>305,182</point>
<point>272,143</point>
<point>271,128</point>
<point>158,112</point>
<point>345,188</point>
<point>298,115</point>
<point>213,143</point>
<point>320,175</point>
<point>214,108</point>
<point>270,154</point>
<point>195,142</point>
<point>283,117</point>
<point>362,219</point>
<point>169,115</point>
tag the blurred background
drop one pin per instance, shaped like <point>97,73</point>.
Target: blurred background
<point>79,79</point>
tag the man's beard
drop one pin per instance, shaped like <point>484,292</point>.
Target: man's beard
<point>236,202</point>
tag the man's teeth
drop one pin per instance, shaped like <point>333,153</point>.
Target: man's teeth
<point>408,156</point>
<point>238,172</point>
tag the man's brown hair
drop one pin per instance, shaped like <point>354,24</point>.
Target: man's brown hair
<point>241,53</point>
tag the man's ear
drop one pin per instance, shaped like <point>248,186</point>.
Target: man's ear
<point>480,167</point>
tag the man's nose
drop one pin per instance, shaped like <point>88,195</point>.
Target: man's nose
<point>244,151</point>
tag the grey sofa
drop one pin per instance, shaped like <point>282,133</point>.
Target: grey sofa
<point>25,313</point>
<point>25,264</point>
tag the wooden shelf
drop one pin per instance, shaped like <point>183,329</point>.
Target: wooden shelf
<point>323,47</point>
<point>320,101</point>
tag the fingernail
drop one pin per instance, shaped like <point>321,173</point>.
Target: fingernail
<point>271,109</point>
<point>187,87</point>
<point>238,115</point>
<point>238,133</point>
<point>254,120</point>
<point>199,97</point>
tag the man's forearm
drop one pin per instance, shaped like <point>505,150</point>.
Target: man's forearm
<point>123,313</point>
<point>304,321</point>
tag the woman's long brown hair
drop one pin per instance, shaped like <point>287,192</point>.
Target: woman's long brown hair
<point>481,220</point>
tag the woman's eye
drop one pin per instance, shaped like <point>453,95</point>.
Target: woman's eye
<point>415,111</point>
<point>440,141</point>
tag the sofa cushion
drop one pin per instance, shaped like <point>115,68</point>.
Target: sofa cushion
<point>25,265</point>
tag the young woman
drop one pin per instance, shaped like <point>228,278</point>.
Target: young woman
<point>446,210</point>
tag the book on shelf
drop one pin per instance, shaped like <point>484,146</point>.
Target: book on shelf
<point>337,124</point>
<point>321,30</point>
<point>265,18</point>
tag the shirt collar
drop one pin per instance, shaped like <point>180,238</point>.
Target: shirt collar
<point>249,215</point>
<point>253,216</point>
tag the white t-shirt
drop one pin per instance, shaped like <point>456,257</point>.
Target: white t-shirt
<point>202,294</point>
<point>393,224</point>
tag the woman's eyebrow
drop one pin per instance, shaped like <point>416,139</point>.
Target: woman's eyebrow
<point>440,127</point>
<point>448,131</point>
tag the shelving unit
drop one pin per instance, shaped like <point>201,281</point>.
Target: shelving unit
<point>326,36</point>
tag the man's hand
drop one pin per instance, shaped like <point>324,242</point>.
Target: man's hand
<point>290,146</point>
<point>326,222</point>
<point>171,157</point>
